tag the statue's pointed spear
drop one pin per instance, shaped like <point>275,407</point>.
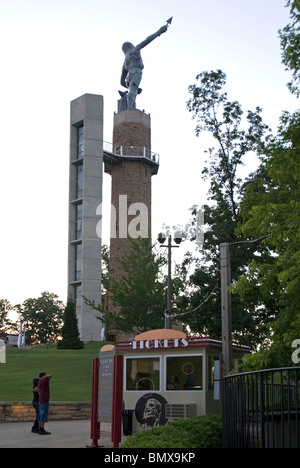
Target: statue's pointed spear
<point>169,21</point>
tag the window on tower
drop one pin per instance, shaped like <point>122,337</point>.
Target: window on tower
<point>77,294</point>
<point>78,262</point>
<point>79,181</point>
<point>80,140</point>
<point>78,221</point>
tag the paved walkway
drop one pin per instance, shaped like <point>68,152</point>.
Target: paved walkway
<point>64,434</point>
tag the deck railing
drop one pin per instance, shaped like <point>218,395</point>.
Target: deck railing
<point>130,151</point>
<point>262,409</point>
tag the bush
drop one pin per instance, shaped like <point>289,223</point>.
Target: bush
<point>199,432</point>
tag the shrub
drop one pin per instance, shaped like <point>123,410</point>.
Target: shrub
<point>199,432</point>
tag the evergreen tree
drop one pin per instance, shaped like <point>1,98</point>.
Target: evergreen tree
<point>70,331</point>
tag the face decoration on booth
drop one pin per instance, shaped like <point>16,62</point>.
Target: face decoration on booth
<point>150,410</point>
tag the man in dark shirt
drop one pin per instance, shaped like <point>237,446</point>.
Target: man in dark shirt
<point>35,404</point>
<point>44,397</point>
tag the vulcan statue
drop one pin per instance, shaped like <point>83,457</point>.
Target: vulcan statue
<point>133,69</point>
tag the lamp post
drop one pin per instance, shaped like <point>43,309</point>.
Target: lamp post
<point>20,338</point>
<point>161,239</point>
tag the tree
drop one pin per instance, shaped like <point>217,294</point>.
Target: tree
<point>271,212</point>
<point>5,323</point>
<point>271,205</point>
<point>42,317</point>
<point>70,333</point>
<point>223,119</point>
<point>290,44</point>
<point>235,137</point>
<point>140,293</point>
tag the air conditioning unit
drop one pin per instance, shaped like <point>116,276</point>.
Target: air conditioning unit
<point>179,411</point>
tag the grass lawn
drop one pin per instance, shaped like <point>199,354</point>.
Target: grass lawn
<point>71,370</point>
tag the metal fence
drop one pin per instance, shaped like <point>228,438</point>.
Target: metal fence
<point>262,409</point>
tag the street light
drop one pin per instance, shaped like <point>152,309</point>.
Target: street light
<point>161,239</point>
<point>20,338</point>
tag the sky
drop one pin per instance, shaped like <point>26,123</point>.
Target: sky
<point>53,51</point>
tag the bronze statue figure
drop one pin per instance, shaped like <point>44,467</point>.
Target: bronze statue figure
<point>133,68</point>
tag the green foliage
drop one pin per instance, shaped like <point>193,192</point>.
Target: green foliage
<point>290,44</point>
<point>42,317</point>
<point>235,134</point>
<point>5,322</point>
<point>270,211</point>
<point>70,333</point>
<point>140,292</point>
<point>200,432</point>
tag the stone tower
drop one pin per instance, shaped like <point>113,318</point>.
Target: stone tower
<point>131,164</point>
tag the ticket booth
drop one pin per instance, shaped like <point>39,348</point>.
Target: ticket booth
<point>169,376</point>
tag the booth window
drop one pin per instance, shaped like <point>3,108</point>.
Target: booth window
<point>184,372</point>
<point>143,374</point>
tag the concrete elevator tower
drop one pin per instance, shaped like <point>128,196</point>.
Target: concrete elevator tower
<point>85,195</point>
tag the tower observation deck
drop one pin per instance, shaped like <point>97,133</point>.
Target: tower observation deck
<point>115,154</point>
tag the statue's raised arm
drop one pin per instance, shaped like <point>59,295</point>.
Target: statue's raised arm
<point>151,38</point>
<point>133,67</point>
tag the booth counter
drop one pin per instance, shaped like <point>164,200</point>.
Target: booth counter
<point>169,376</point>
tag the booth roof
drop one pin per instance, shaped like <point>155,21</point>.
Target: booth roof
<point>168,339</point>
<point>160,334</point>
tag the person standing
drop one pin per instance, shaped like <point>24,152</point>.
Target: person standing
<point>44,397</point>
<point>35,404</point>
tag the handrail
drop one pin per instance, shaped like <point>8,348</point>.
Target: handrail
<point>130,151</point>
<point>259,371</point>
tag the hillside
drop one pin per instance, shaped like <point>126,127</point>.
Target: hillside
<point>71,370</point>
